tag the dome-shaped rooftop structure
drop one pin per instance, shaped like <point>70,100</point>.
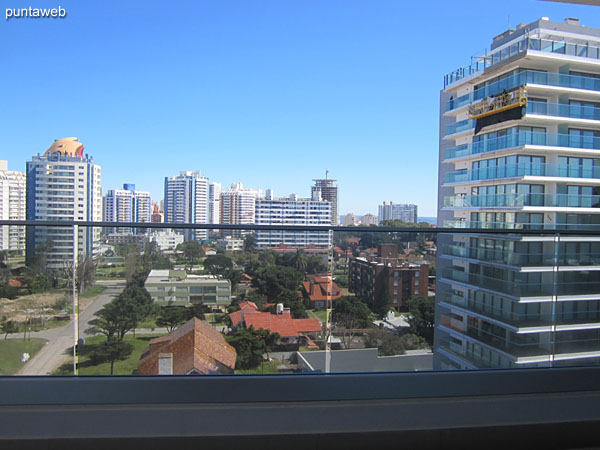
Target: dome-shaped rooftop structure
<point>69,146</point>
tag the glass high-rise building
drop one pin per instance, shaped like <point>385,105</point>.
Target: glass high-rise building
<point>520,149</point>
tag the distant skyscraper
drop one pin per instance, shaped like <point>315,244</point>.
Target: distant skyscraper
<point>214,202</point>
<point>292,211</point>
<point>63,184</point>
<point>238,206</point>
<point>187,201</point>
<point>126,205</point>
<point>157,215</point>
<point>368,219</point>
<point>328,191</point>
<point>403,212</point>
<point>350,220</point>
<point>12,207</point>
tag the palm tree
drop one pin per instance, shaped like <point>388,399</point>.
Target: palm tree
<point>300,260</point>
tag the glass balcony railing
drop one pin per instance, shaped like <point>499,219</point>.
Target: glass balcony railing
<point>520,200</point>
<point>572,111</point>
<point>519,259</point>
<point>130,286</point>
<point>457,127</point>
<point>524,138</point>
<point>522,78</point>
<point>522,289</point>
<point>486,225</point>
<point>544,45</point>
<point>522,170</point>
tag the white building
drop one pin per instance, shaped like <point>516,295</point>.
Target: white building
<point>126,205</point>
<point>12,207</point>
<point>403,212</point>
<point>231,244</point>
<point>238,206</point>
<point>214,202</point>
<point>520,149</point>
<point>292,211</point>
<point>166,240</point>
<point>63,184</point>
<point>176,287</point>
<point>369,219</point>
<point>187,201</point>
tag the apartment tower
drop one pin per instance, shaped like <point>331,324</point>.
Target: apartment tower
<point>62,184</point>
<point>520,149</point>
<point>187,201</point>
<point>12,207</point>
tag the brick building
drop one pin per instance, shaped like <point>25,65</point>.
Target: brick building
<point>369,278</point>
<point>192,349</point>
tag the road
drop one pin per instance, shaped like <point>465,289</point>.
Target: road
<point>53,354</point>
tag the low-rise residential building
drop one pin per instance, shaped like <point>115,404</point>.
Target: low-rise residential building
<point>387,274</point>
<point>167,239</point>
<point>291,331</point>
<point>194,348</point>
<point>319,290</point>
<point>125,238</point>
<point>176,287</point>
<point>231,244</point>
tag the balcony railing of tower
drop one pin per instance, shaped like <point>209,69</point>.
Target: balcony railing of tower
<point>518,200</point>
<point>582,50</point>
<point>522,78</point>
<point>523,170</point>
<point>520,138</point>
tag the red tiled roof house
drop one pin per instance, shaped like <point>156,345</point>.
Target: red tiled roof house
<point>192,349</point>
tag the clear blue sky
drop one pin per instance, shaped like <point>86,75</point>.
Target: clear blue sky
<point>269,93</point>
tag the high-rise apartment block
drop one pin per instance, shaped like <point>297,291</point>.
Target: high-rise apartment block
<point>398,211</point>
<point>127,205</point>
<point>214,202</point>
<point>326,190</point>
<point>12,207</point>
<point>292,211</point>
<point>187,201</point>
<point>238,206</point>
<point>520,149</point>
<point>63,184</point>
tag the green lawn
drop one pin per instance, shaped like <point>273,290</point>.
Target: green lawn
<point>93,291</point>
<point>11,351</point>
<point>126,367</point>
<point>319,314</point>
<point>266,367</point>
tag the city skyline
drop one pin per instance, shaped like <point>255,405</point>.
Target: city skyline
<point>229,89</point>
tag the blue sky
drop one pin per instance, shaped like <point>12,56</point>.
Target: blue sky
<point>269,93</point>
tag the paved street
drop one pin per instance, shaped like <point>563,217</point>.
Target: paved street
<point>52,355</point>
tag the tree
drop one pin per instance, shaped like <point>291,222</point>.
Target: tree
<point>276,281</point>
<point>110,351</point>
<point>300,261</point>
<point>123,313</point>
<point>85,273</point>
<point>8,327</point>
<point>249,345</point>
<point>422,317</point>
<point>217,264</point>
<point>172,316</point>
<point>387,343</point>
<point>315,264</point>
<point>350,314</point>
<point>249,240</point>
<point>192,251</point>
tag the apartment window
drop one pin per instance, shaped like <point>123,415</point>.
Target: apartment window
<point>416,292</point>
<point>395,291</point>
<point>395,282</point>
<point>416,282</point>
<point>417,274</point>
